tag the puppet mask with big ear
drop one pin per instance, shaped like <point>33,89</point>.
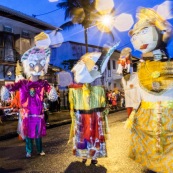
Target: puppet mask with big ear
<point>92,65</point>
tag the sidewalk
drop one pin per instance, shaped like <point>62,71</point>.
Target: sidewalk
<point>8,129</point>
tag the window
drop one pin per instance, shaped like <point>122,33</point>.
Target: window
<point>109,69</point>
<point>8,47</point>
<point>109,65</point>
<point>8,29</point>
<point>25,34</point>
<point>109,73</point>
<point>113,64</point>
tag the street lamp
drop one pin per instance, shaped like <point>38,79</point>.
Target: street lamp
<point>105,23</point>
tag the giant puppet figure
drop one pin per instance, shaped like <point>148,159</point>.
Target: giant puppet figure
<point>35,63</point>
<point>87,106</point>
<point>128,79</point>
<point>151,121</point>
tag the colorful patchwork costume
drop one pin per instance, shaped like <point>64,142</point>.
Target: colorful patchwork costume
<point>87,107</point>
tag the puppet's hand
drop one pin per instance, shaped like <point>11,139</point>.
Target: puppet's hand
<point>53,96</point>
<point>5,94</point>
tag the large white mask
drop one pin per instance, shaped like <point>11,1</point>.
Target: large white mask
<point>35,61</point>
<point>92,65</point>
<point>146,39</point>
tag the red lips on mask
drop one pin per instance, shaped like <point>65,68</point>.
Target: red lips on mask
<point>144,46</point>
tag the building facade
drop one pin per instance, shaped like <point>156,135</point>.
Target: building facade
<point>69,53</point>
<point>17,32</point>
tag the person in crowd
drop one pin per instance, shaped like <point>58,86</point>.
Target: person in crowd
<point>114,101</point>
<point>151,120</point>
<point>109,95</point>
<point>59,102</point>
<point>122,99</point>
<point>46,109</point>
<point>87,107</point>
<point>35,63</point>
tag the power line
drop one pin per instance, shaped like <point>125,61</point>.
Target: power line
<point>34,15</point>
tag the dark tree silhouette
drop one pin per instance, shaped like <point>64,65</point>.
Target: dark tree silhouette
<point>81,12</point>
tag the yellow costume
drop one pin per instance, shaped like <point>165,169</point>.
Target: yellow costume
<point>152,124</point>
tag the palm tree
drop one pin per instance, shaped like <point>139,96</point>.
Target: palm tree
<point>81,12</point>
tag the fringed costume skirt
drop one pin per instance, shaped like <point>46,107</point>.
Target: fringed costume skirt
<point>89,139</point>
<point>152,136</point>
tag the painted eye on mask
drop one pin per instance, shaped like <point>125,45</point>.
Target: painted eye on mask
<point>144,31</point>
<point>32,64</point>
<point>43,62</point>
<point>95,68</point>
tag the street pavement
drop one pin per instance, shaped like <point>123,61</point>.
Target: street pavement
<point>8,128</point>
<point>59,158</point>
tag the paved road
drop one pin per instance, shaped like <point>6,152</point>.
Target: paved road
<point>59,158</point>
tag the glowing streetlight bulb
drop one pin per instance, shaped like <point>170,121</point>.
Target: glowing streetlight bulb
<point>105,23</point>
<point>107,20</point>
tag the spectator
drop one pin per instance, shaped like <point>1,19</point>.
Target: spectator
<point>59,102</point>
<point>46,110</point>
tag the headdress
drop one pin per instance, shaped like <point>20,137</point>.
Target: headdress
<point>124,61</point>
<point>42,40</point>
<point>148,17</point>
<point>90,59</point>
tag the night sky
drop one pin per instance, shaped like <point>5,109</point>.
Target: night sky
<point>43,11</point>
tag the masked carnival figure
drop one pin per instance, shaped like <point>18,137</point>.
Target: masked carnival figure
<point>15,104</point>
<point>128,79</point>
<point>151,121</point>
<point>87,106</point>
<point>35,63</point>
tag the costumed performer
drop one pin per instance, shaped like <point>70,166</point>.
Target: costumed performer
<point>35,63</point>
<point>152,121</point>
<point>87,107</point>
<point>128,80</point>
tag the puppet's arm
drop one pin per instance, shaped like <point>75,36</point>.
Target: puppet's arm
<point>5,90</point>
<point>52,94</point>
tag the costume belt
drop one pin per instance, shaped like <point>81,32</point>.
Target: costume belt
<point>39,116</point>
<point>159,104</point>
<point>90,111</point>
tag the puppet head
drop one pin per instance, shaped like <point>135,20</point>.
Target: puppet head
<point>35,61</point>
<point>92,65</point>
<point>124,61</point>
<point>150,32</point>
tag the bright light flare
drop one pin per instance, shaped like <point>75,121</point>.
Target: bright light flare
<point>107,20</point>
<point>104,8</point>
<point>105,23</point>
<point>165,9</point>
<point>56,38</point>
<point>123,22</point>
